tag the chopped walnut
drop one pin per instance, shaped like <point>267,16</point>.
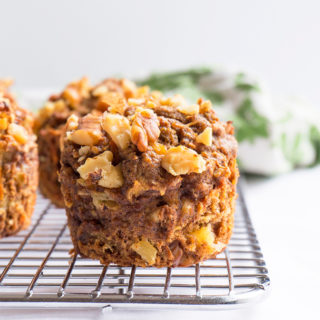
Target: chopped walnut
<point>146,251</point>
<point>113,102</point>
<point>118,128</point>
<point>111,176</point>
<point>136,102</point>
<point>18,132</point>
<point>189,109</point>
<point>129,88</point>
<point>175,101</point>
<point>142,91</point>
<point>203,236</point>
<point>3,123</point>
<point>76,91</point>
<point>205,137</point>
<point>182,160</point>
<point>145,129</point>
<point>72,122</point>
<point>159,148</point>
<point>102,199</point>
<point>89,131</point>
<point>205,106</point>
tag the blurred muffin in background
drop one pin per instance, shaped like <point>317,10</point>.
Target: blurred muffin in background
<point>77,98</point>
<point>19,164</point>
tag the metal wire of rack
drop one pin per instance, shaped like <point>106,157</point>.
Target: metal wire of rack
<point>35,266</point>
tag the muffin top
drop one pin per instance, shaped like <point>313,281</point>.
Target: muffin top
<point>149,145</point>
<point>80,98</point>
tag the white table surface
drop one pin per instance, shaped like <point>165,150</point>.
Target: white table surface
<point>285,212</point>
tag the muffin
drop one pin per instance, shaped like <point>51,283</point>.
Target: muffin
<point>150,182</point>
<point>19,165</point>
<point>77,98</point>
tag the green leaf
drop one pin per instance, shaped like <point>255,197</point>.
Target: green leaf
<point>243,85</point>
<point>315,139</point>
<point>249,123</point>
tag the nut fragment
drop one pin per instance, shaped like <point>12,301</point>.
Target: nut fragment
<point>72,122</point>
<point>111,176</point>
<point>204,236</point>
<point>113,101</point>
<point>175,101</point>
<point>205,137</point>
<point>182,160</point>
<point>129,88</point>
<point>189,109</point>
<point>88,132</point>
<point>118,128</point>
<point>145,128</point>
<point>205,106</point>
<point>19,133</point>
<point>146,250</point>
<point>75,91</point>
<point>3,123</point>
<point>101,199</point>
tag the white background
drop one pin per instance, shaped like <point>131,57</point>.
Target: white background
<point>45,44</point>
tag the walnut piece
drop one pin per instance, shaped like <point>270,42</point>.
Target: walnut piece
<point>89,131</point>
<point>205,106</point>
<point>146,251</point>
<point>19,133</point>
<point>3,123</point>
<point>111,176</point>
<point>182,160</point>
<point>205,137</point>
<point>118,128</point>
<point>75,91</point>
<point>129,88</point>
<point>189,109</point>
<point>113,102</point>
<point>72,122</point>
<point>175,101</point>
<point>145,128</point>
<point>204,236</point>
<point>102,199</point>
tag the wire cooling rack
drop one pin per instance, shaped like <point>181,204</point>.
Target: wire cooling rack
<point>35,266</point>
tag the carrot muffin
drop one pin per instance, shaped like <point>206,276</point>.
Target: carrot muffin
<point>19,165</point>
<point>77,98</point>
<point>150,182</point>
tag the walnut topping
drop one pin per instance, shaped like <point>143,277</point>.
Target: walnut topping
<point>189,109</point>
<point>145,128</point>
<point>146,251</point>
<point>3,123</point>
<point>72,122</point>
<point>75,91</point>
<point>88,132</point>
<point>136,102</point>
<point>182,160</point>
<point>129,88</point>
<point>18,132</point>
<point>205,106</point>
<point>118,128</point>
<point>113,101</point>
<point>175,101</point>
<point>159,148</point>
<point>111,176</point>
<point>205,137</point>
